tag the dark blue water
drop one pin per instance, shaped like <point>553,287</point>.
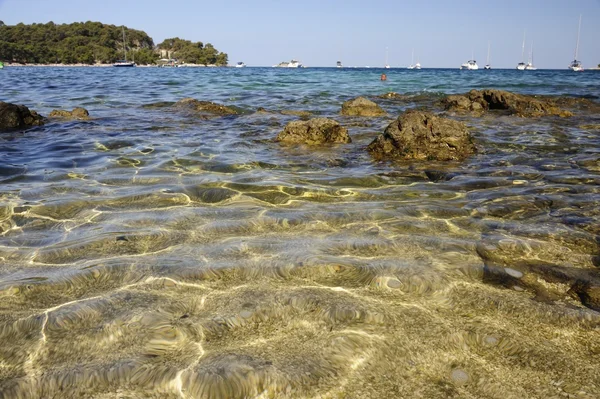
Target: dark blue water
<point>148,252</point>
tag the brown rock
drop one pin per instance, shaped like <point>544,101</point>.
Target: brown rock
<point>362,107</point>
<point>77,113</point>
<point>500,100</point>
<point>14,116</point>
<point>423,136</point>
<point>314,131</point>
<point>206,108</point>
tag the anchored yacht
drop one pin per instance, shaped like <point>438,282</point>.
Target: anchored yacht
<point>487,64</point>
<point>470,65</point>
<point>240,65</point>
<point>576,65</point>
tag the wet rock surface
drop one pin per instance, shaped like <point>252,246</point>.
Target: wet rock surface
<point>361,107</point>
<point>421,135</point>
<point>314,131</point>
<point>504,101</point>
<point>205,109</point>
<point>76,113</point>
<point>14,116</point>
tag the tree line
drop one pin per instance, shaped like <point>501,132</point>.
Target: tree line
<point>193,53</point>
<point>94,43</point>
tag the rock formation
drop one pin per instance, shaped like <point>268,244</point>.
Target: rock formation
<point>314,131</point>
<point>423,136</point>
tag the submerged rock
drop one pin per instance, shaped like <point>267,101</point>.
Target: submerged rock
<point>314,131</point>
<point>513,104</point>
<point>14,116</point>
<point>204,108</point>
<point>423,136</point>
<point>77,113</point>
<point>362,107</point>
<point>301,114</point>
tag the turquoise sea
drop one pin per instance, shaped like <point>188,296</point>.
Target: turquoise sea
<point>147,252</point>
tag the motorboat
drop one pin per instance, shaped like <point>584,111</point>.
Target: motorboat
<point>576,65</point>
<point>417,65</point>
<point>470,65</point>
<point>291,64</point>
<point>240,65</point>
<point>339,64</point>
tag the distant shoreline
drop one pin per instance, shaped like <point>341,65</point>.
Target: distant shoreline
<point>13,64</point>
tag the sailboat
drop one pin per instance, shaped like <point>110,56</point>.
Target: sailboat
<point>387,65</point>
<point>521,65</point>
<point>418,64</point>
<point>576,65</point>
<point>487,64</point>
<point>412,60</point>
<point>124,62</point>
<point>529,66</point>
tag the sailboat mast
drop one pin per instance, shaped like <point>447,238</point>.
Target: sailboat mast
<point>578,33</point>
<point>523,51</point>
<point>488,57</point>
<point>386,56</point>
<point>124,48</point>
<point>531,54</point>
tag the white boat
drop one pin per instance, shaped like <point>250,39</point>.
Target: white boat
<point>124,62</point>
<point>291,64</point>
<point>487,64</point>
<point>575,64</point>
<point>387,65</point>
<point>521,66</point>
<point>240,65</point>
<point>412,62</point>
<point>470,65</point>
<point>529,66</point>
<point>339,64</point>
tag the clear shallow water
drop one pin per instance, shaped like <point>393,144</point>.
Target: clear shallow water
<point>150,253</point>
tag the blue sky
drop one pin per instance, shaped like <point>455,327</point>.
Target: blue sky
<point>443,33</point>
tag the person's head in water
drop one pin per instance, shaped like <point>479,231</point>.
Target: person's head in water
<point>383,77</point>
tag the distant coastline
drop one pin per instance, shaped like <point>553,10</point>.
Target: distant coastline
<point>97,44</point>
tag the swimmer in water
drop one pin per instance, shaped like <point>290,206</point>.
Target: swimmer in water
<point>383,77</point>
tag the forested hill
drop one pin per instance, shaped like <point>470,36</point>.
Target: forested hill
<point>79,42</point>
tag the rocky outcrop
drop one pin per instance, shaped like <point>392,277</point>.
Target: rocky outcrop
<point>77,113</point>
<point>314,131</point>
<point>423,136</point>
<point>513,104</point>
<point>14,116</point>
<point>204,108</point>
<point>362,107</point>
